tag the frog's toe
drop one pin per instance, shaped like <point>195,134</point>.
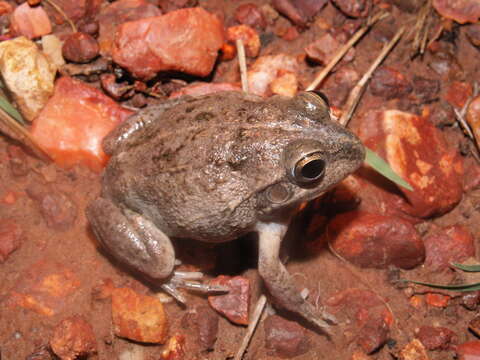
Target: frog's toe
<point>189,281</point>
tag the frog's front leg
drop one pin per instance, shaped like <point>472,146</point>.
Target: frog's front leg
<point>277,279</point>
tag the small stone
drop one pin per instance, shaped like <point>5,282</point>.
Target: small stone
<point>437,300</point>
<point>448,245</point>
<point>285,339</point>
<point>286,84</point>
<point>389,84</point>
<point>414,350</point>
<point>436,338</point>
<point>138,317</point>
<point>80,48</point>
<point>462,11</point>
<point>56,207</point>
<point>323,49</point>
<point>291,34</point>
<point>470,300</point>
<point>175,348</point>
<point>469,350</point>
<point>73,337</point>
<point>300,12</point>
<point>250,14</point>
<point>234,305</point>
<point>248,35</point>
<point>31,22</point>
<point>353,8</point>
<point>372,240</point>
<point>10,238</point>
<point>147,46</point>
<point>373,335</point>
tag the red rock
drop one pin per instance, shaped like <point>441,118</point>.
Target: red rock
<point>389,84</point>
<point>199,89</point>
<point>354,8</point>
<point>458,93</point>
<point>250,14</point>
<point>367,315</point>
<point>425,90</point>
<point>45,287</point>
<point>436,338</point>
<point>148,46</point>
<point>80,48</point>
<point>138,317</point>
<point>373,335</point>
<point>414,350</point>
<point>452,244</point>
<point>469,350</point>
<point>372,240</point>
<point>207,324</point>
<point>437,300</point>
<point>473,33</point>
<point>473,117</point>
<point>31,22</point>
<point>285,339</point>
<point>119,12</point>
<point>57,208</point>
<point>416,151</point>
<point>175,348</point>
<point>470,300</point>
<point>323,49</point>
<point>462,11</point>
<point>266,69</point>
<point>248,35</point>
<point>18,161</point>
<point>74,122</point>
<point>73,337</point>
<point>234,305</point>
<point>299,11</point>
<point>10,238</point>
<point>5,8</point>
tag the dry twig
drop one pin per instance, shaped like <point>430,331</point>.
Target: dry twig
<point>242,62</point>
<point>356,93</point>
<point>252,326</point>
<point>343,50</point>
<point>421,28</point>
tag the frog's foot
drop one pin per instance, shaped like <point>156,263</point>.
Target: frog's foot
<point>279,282</point>
<point>189,281</point>
<point>132,238</point>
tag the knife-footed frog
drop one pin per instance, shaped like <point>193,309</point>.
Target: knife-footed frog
<point>216,167</point>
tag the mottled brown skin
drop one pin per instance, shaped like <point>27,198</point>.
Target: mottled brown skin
<point>214,168</point>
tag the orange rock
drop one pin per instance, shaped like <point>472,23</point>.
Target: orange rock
<point>417,151</point>
<point>416,301</point>
<point>73,337</point>
<point>31,22</point>
<point>45,288</point>
<point>175,348</point>
<point>437,300</point>
<point>74,122</point>
<point>138,317</point>
<point>462,11</point>
<point>248,35</point>
<point>185,40</point>
<point>469,350</point>
<point>286,84</point>
<point>373,240</point>
<point>414,350</point>
<point>458,93</point>
<point>117,13</point>
<point>228,51</point>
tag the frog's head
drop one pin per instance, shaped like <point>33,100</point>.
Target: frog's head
<point>317,153</point>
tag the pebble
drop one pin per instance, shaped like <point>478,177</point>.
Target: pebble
<point>80,48</point>
<point>353,8</point>
<point>285,339</point>
<point>72,338</point>
<point>31,22</point>
<point>10,238</point>
<point>250,14</point>
<point>462,11</point>
<point>234,305</point>
<point>436,337</point>
<point>389,83</point>
<point>469,350</point>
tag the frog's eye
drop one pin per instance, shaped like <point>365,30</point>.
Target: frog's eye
<point>314,99</point>
<point>309,169</point>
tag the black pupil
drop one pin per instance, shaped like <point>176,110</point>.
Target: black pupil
<point>313,169</point>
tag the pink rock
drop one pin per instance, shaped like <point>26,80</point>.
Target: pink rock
<point>10,236</point>
<point>199,89</point>
<point>31,22</point>
<point>323,49</point>
<point>235,304</point>
<point>469,350</point>
<point>372,240</point>
<point>452,244</point>
<point>119,12</point>
<point>185,40</point>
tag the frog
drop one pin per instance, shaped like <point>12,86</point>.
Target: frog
<point>216,167</point>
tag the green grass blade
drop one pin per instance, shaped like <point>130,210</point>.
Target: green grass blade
<point>458,287</point>
<point>468,268</point>
<point>381,166</point>
<point>11,110</point>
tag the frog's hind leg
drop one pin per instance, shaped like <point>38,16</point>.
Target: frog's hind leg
<point>137,242</point>
<point>132,239</point>
<point>279,282</point>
